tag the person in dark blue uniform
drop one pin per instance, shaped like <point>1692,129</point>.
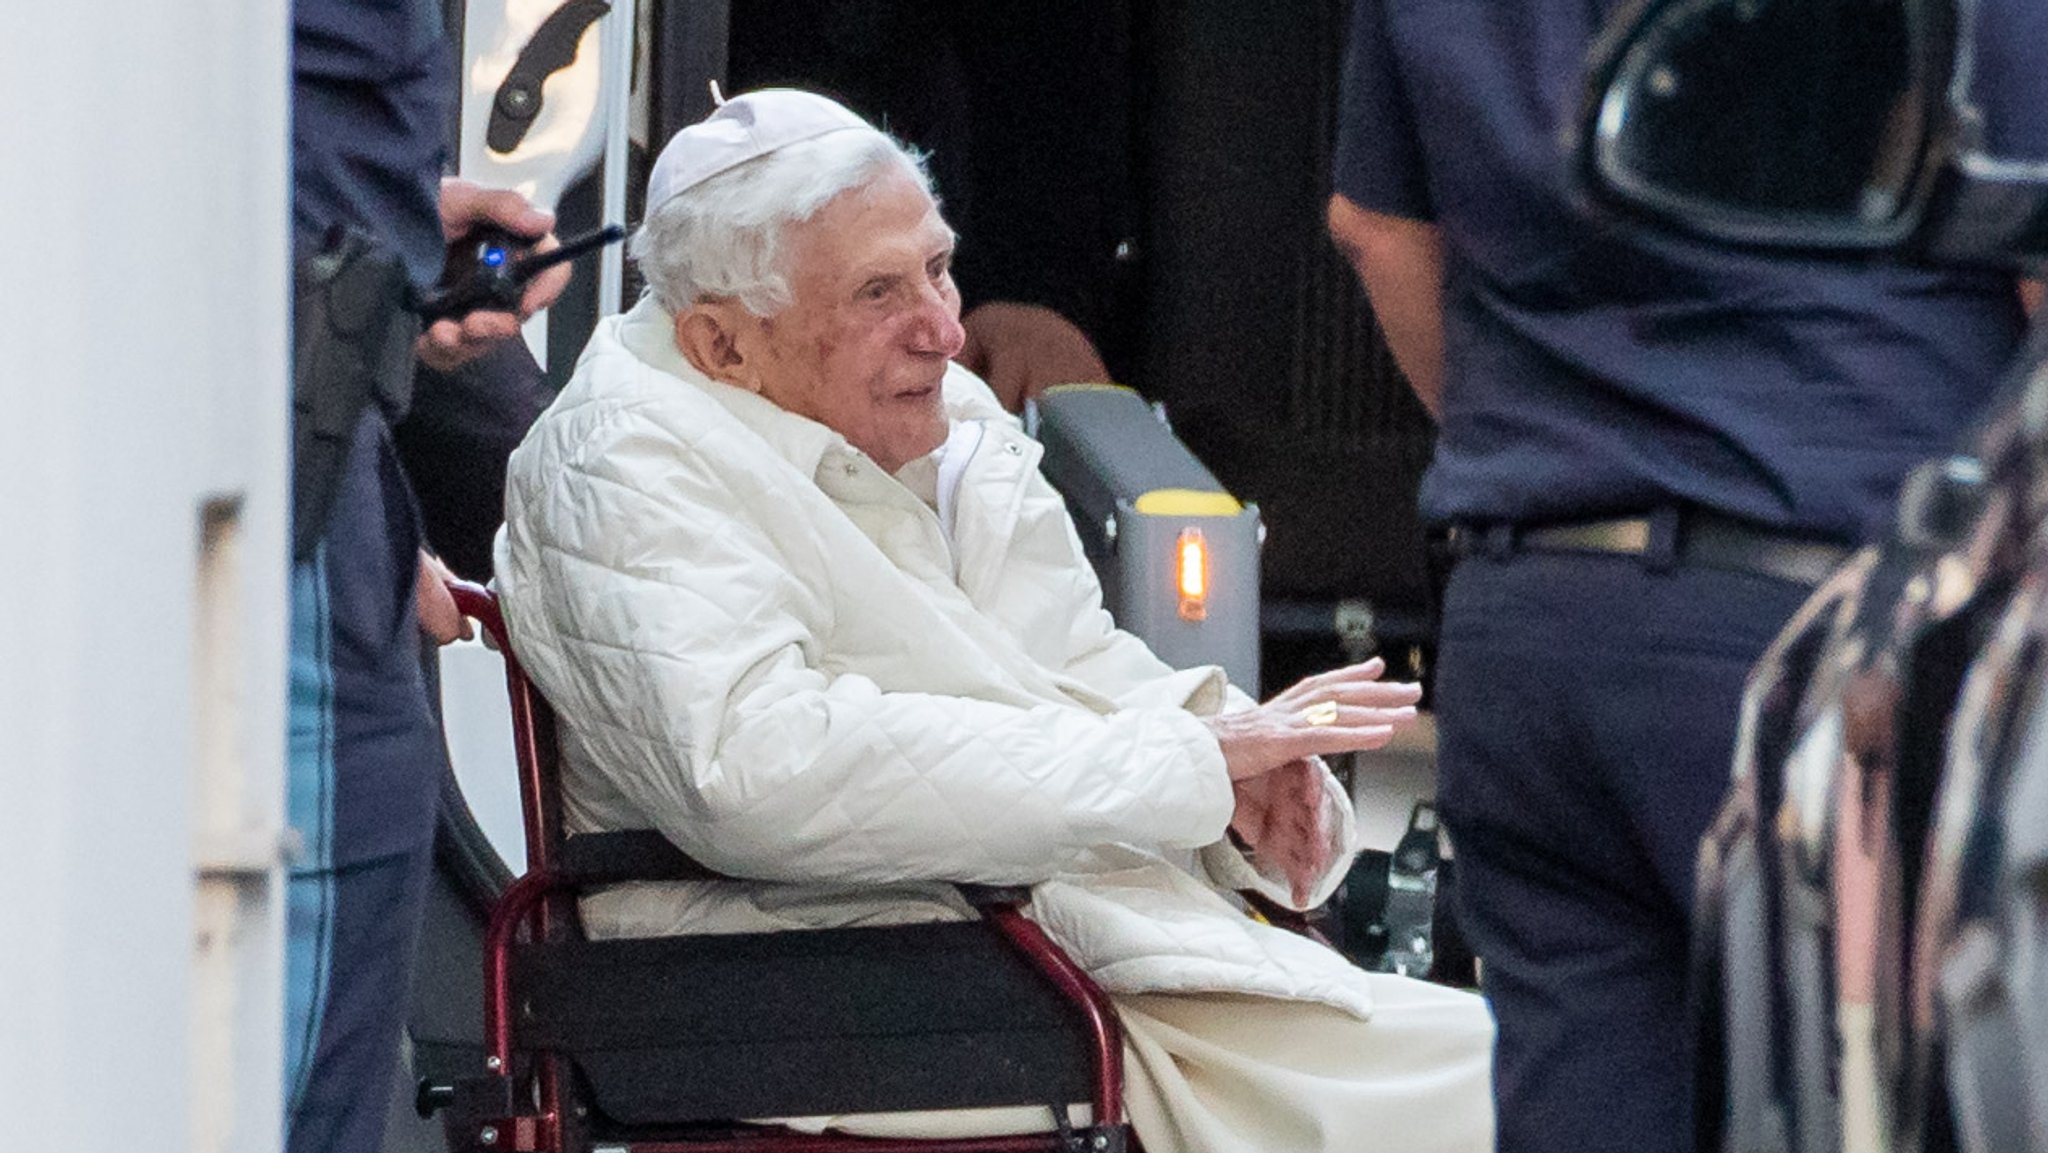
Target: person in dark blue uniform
<point>1650,450</point>
<point>373,92</point>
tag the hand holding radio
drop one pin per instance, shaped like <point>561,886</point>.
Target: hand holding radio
<point>503,266</point>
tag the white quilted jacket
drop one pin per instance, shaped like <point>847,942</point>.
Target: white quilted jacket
<point>767,648</point>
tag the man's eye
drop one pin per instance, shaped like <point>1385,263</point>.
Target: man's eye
<point>874,290</point>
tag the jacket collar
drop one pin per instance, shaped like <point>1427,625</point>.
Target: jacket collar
<point>648,333</point>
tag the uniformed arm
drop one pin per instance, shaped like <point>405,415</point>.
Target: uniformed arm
<point>1383,204</point>
<point>689,666</point>
<point>1401,264</point>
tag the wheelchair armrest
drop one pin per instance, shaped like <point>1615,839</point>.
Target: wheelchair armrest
<point>646,855</point>
<point>627,855</point>
<point>984,897</point>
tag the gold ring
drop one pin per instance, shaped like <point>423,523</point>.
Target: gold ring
<point>1320,713</point>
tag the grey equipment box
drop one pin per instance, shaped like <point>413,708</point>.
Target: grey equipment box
<point>1178,556</point>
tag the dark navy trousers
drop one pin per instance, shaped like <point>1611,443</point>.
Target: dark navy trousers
<point>1587,708</point>
<point>364,769</point>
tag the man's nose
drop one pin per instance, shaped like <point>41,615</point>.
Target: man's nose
<point>938,330</point>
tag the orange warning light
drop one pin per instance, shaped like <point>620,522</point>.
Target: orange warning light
<point>1192,565</point>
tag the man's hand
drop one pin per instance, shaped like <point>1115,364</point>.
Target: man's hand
<point>1280,817</point>
<point>1340,711</point>
<point>439,618</point>
<point>1022,349</point>
<point>449,344</point>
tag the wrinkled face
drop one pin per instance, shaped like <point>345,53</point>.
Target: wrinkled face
<point>873,321</point>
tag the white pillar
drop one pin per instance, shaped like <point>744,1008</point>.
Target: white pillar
<point>143,366</point>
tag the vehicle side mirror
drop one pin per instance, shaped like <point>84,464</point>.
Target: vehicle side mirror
<point>1783,123</point>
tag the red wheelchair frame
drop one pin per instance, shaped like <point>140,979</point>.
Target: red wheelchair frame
<point>532,1099</point>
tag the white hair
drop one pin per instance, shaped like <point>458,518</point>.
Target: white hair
<point>724,237</point>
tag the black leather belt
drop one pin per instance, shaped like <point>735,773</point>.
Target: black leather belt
<point>1706,539</point>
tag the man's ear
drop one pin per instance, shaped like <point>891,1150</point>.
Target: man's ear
<point>709,335</point>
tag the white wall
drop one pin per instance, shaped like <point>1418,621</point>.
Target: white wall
<point>143,352</point>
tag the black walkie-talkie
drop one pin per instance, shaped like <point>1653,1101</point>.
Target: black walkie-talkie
<point>489,268</point>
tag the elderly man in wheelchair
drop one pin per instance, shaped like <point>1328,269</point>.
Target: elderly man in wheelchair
<point>806,607</point>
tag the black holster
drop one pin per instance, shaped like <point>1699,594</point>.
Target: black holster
<point>352,338</point>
